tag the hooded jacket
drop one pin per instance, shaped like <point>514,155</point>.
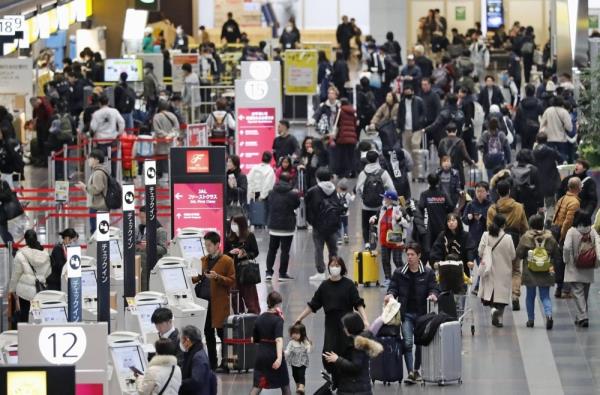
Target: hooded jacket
<point>156,375</point>
<point>353,374</point>
<point>556,122</point>
<point>516,221</point>
<point>546,160</point>
<point>313,199</point>
<point>282,202</point>
<point>23,278</point>
<point>371,168</point>
<point>527,243</point>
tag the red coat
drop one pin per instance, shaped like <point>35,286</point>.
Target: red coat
<point>347,126</point>
<point>127,142</point>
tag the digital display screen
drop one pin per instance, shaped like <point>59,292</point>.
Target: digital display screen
<point>191,248</point>
<point>53,315</point>
<point>32,382</point>
<point>114,67</point>
<point>115,251</point>
<point>173,279</point>
<point>124,357</point>
<point>494,14</point>
<point>145,313</point>
<point>89,284</point>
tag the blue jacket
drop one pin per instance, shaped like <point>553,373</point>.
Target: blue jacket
<point>476,227</point>
<point>197,377</point>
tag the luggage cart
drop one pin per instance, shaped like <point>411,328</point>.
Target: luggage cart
<point>465,312</point>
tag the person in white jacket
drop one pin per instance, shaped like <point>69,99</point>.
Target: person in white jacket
<point>162,376</point>
<point>31,263</point>
<point>261,178</point>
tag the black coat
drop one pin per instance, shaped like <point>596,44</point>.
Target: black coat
<point>497,98</point>
<point>352,367</point>
<point>282,202</point>
<point>529,109</point>
<point>57,261</point>
<point>313,199</point>
<point>424,286</point>
<point>433,106</point>
<point>425,64</point>
<point>442,247</point>
<point>588,195</point>
<point>438,205</point>
<point>400,179</point>
<point>418,113</point>
<point>237,194</point>
<point>285,146</point>
<point>546,159</point>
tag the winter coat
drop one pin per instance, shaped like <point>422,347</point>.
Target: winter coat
<point>528,113</point>
<point>556,122</point>
<point>529,195</point>
<point>483,99</point>
<point>239,193</point>
<point>261,180</point>
<point>447,243</point>
<point>496,285</point>
<point>312,162</point>
<point>571,251</point>
<point>397,162</point>
<point>417,111</point>
<point>437,130</point>
<point>399,221</point>
<point>546,159</point>
<point>282,202</point>
<point>425,65</point>
<point>516,221</point>
<point>385,113</point>
<point>424,286</point>
<point>197,378</point>
<point>165,125</point>
<point>482,144</point>
<point>453,186</point>
<point>588,196</point>
<point>156,375</point>
<point>435,205</point>
<point>23,278</point>
<point>565,213</point>
<point>313,199</point>
<point>352,367</point>
<point>285,146</point>
<point>433,106</point>
<point>371,168</point>
<point>527,243</point>
<point>127,143</point>
<point>219,289</point>
<point>476,226</point>
<point>347,126</point>
<point>96,188</point>
<point>456,149</point>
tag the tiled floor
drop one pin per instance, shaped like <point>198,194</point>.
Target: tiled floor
<point>512,360</point>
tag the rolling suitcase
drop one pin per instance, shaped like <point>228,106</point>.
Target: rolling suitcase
<point>387,366</point>
<point>421,161</point>
<point>475,176</point>
<point>366,268</point>
<point>301,210</point>
<point>442,358</point>
<point>239,350</point>
<point>258,212</point>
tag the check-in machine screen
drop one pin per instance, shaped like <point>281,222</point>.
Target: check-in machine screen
<point>145,313</point>
<point>53,315</point>
<point>173,279</point>
<point>89,284</point>
<point>115,251</point>
<point>125,357</point>
<point>191,248</point>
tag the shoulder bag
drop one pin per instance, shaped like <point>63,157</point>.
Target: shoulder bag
<point>168,381</point>
<point>39,286</point>
<point>486,259</point>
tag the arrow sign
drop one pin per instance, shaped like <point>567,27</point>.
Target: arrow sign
<point>178,196</point>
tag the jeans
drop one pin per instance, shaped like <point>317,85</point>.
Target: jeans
<point>211,341</point>
<point>366,226</point>
<point>128,120</point>
<point>286,245</point>
<point>388,254</point>
<point>408,329</point>
<point>343,225</point>
<point>544,297</point>
<point>562,148</point>
<point>320,241</point>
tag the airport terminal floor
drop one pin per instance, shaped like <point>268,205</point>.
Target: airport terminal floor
<point>511,360</point>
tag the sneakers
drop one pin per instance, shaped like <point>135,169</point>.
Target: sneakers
<point>411,378</point>
<point>549,322</point>
<point>269,276</point>
<point>386,283</point>
<point>318,277</point>
<point>418,377</point>
<point>346,239</point>
<point>339,242</point>
<point>285,277</point>
<point>496,321</point>
<point>367,246</point>
<point>529,324</point>
<point>584,323</point>
<point>516,305</point>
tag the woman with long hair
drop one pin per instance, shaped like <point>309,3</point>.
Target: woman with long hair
<point>453,241</point>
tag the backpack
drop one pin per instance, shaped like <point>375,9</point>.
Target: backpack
<point>220,128</point>
<point>527,48</point>
<point>538,259</point>
<point>586,255</point>
<point>478,119</point>
<point>127,100</point>
<point>344,203</point>
<point>330,211</point>
<point>114,192</point>
<point>373,189</point>
<point>495,151</point>
<point>521,182</point>
<point>65,133</point>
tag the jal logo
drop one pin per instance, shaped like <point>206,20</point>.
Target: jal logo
<point>104,227</point>
<point>75,262</point>
<point>129,197</point>
<point>151,172</point>
<point>197,161</point>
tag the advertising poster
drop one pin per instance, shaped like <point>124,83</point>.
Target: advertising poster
<point>114,67</point>
<point>199,205</point>
<point>256,130</point>
<point>460,13</point>
<point>15,76</point>
<point>179,60</point>
<point>300,72</point>
<point>197,135</point>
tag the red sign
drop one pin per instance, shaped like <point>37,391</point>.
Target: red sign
<point>197,161</point>
<point>88,389</point>
<point>199,205</point>
<point>256,132</point>
<point>197,135</point>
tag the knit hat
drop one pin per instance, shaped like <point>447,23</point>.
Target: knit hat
<point>353,323</point>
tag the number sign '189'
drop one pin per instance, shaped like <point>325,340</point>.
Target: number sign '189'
<point>10,24</point>
<point>62,345</point>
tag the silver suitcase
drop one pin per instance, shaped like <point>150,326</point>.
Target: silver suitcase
<point>421,161</point>
<point>442,358</point>
<point>301,210</point>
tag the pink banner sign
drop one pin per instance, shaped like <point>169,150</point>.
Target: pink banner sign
<point>199,205</point>
<point>256,132</point>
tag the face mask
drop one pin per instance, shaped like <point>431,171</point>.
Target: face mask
<point>335,271</point>
<point>235,228</point>
<point>409,96</point>
<point>182,348</point>
<point>288,29</point>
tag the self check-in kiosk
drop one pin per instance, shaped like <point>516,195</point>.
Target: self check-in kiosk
<point>126,355</point>
<point>171,277</point>
<point>138,315</point>
<point>48,307</point>
<point>9,347</point>
<point>187,244</point>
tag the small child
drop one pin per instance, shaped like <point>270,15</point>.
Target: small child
<point>296,353</point>
<point>345,198</point>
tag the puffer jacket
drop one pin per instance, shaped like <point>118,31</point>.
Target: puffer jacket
<point>347,126</point>
<point>23,278</point>
<point>566,207</point>
<point>353,366</point>
<point>546,159</point>
<point>282,202</point>
<point>156,375</point>
<point>516,220</point>
<point>527,243</point>
<point>261,179</point>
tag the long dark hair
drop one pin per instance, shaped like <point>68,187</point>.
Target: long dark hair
<point>243,231</point>
<point>300,329</point>
<point>31,240</point>
<point>459,227</point>
<point>496,225</point>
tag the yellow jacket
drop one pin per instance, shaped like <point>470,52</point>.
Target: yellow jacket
<point>565,212</point>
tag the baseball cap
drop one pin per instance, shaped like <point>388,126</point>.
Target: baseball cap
<point>393,196</point>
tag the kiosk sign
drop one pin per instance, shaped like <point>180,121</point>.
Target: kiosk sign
<point>256,131</point>
<point>197,161</point>
<point>199,205</point>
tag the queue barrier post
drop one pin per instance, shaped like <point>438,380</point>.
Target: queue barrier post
<point>65,162</point>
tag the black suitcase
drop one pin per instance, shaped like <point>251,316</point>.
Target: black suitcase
<point>387,366</point>
<point>239,350</point>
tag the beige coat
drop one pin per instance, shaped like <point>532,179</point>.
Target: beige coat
<point>96,188</point>
<point>556,122</point>
<point>570,252</point>
<point>384,113</point>
<point>498,282</point>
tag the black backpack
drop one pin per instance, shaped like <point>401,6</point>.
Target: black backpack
<point>330,211</point>
<point>114,192</point>
<point>127,100</point>
<point>373,189</point>
<point>521,182</point>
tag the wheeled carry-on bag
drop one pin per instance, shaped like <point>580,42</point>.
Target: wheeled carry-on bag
<point>388,366</point>
<point>239,350</point>
<point>421,160</point>
<point>258,212</point>
<point>366,268</point>
<point>442,358</point>
<point>301,210</point>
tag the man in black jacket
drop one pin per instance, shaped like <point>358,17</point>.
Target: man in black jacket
<point>411,113</point>
<point>435,205</point>
<point>412,285</point>
<point>546,159</point>
<point>431,100</point>
<point>393,48</point>
<point>231,30</point>
<point>285,144</point>
<point>491,94</point>
<point>343,35</point>
<point>450,113</point>
<point>282,202</point>
<point>527,121</point>
<point>162,318</point>
<point>587,196</point>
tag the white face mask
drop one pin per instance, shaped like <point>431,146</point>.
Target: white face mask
<point>288,29</point>
<point>182,348</point>
<point>335,271</point>
<point>235,228</point>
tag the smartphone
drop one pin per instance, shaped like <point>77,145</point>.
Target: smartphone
<point>136,370</point>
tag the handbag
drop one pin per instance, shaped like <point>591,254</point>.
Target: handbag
<point>394,237</point>
<point>12,208</point>
<point>202,289</point>
<point>39,286</point>
<point>248,272</point>
<point>162,391</point>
